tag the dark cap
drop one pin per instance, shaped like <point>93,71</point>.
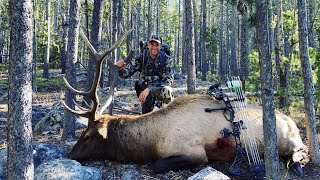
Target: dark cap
<point>156,38</point>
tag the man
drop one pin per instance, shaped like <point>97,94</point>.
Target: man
<point>156,76</point>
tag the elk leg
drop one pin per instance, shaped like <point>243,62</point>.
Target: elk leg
<point>176,163</point>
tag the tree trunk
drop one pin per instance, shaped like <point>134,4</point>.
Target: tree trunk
<point>281,66</point>
<point>227,46</point>
<point>149,18</point>
<point>144,20</point>
<point>35,50</point>
<point>222,60</point>
<point>64,49</point>
<point>183,51</point>
<point>95,41</point>
<point>47,56</point>
<point>233,40</point>
<point>117,17</point>
<point>20,152</point>
<point>179,33</point>
<point>87,18</point>
<point>204,40</point>
<point>269,120</point>
<point>311,20</point>
<point>190,56</point>
<point>196,35</point>
<point>73,40</point>
<point>308,83</point>
<point>244,61</point>
<point>158,17</point>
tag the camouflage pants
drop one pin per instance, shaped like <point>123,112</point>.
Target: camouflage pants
<point>162,93</point>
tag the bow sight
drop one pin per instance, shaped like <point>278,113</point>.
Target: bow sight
<point>248,150</point>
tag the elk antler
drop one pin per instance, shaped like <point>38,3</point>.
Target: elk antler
<point>92,93</point>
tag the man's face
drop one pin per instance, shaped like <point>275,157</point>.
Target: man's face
<point>154,48</point>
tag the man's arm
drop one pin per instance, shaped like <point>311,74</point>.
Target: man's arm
<point>167,76</point>
<point>130,68</point>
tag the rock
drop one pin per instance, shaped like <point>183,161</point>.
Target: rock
<point>81,123</point>
<point>41,153</point>
<point>130,171</point>
<point>208,173</point>
<point>51,122</point>
<point>3,120</point>
<point>3,164</point>
<point>47,152</point>
<point>66,169</point>
<point>37,115</point>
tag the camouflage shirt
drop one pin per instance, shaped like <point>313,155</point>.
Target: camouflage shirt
<point>151,71</point>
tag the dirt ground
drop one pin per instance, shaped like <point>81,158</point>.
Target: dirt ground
<point>46,99</point>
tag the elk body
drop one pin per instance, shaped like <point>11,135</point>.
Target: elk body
<point>180,135</point>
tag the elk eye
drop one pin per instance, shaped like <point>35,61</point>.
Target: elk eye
<point>86,136</point>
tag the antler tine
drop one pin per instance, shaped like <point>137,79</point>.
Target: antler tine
<point>92,49</point>
<point>107,103</point>
<point>79,106</point>
<point>83,93</point>
<point>79,113</point>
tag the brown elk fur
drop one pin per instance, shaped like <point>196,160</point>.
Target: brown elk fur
<point>182,129</point>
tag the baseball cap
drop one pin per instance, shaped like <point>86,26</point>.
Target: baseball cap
<point>156,38</point>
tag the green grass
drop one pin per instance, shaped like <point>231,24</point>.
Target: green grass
<point>3,69</point>
<point>52,84</point>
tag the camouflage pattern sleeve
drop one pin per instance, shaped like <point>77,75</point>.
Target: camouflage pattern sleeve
<point>167,76</point>
<point>132,67</point>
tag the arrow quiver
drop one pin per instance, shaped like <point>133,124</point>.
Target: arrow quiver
<point>248,150</point>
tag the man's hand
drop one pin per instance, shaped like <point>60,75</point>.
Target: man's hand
<point>121,64</point>
<point>143,95</point>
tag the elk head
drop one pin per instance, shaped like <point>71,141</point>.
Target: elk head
<point>93,110</point>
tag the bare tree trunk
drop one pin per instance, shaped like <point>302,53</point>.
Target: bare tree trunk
<point>183,52</point>
<point>95,41</point>
<point>204,40</point>
<point>311,20</point>
<point>269,119</point>
<point>138,24</point>
<point>144,20</point>
<point>222,59</point>
<point>190,56</point>
<point>313,143</point>
<point>64,49</point>
<point>196,40</point>
<point>35,50</point>
<point>244,61</point>
<point>149,18</point>
<point>73,40</point>
<point>117,18</point>
<point>20,152</point>
<point>87,18</point>
<point>282,67</point>
<point>233,40</point>
<point>158,17</point>
<point>227,46</point>
<point>47,56</point>
<point>179,33</point>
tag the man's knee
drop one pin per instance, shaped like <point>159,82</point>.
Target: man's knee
<point>147,106</point>
<point>166,94</point>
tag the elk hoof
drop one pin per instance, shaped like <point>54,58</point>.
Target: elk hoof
<point>297,169</point>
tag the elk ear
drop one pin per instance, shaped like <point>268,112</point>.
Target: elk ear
<point>103,131</point>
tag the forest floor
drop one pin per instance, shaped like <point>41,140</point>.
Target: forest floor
<point>46,97</point>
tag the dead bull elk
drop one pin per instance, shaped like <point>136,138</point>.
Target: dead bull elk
<point>178,136</point>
